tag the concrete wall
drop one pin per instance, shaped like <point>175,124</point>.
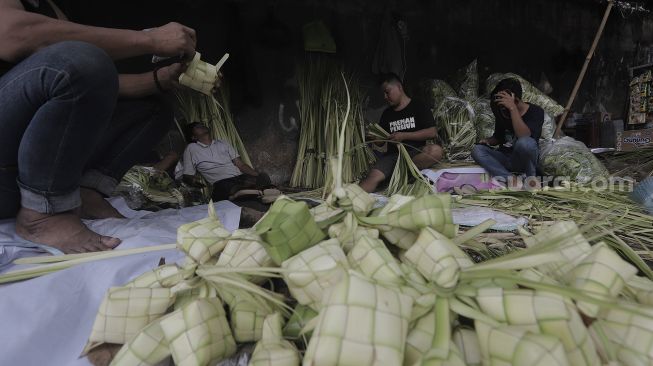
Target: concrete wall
<point>528,37</point>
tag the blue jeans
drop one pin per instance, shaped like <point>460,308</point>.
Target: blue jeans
<point>501,163</point>
<point>62,127</point>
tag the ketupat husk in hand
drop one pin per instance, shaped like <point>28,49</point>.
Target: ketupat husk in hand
<point>202,76</point>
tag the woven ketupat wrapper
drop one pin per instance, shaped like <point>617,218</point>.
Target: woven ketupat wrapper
<point>244,249</point>
<point>125,311</point>
<point>347,331</point>
<point>315,270</point>
<point>287,229</point>
<point>149,347</point>
<point>198,333</point>
<point>203,239</point>
<point>273,350</point>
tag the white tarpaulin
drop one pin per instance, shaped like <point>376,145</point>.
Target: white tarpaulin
<point>47,320</point>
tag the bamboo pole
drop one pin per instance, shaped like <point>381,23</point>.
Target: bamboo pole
<point>581,76</point>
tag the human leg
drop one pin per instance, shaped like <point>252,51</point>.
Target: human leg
<point>430,155</point>
<point>381,170</point>
<point>56,105</point>
<point>494,161</point>
<point>524,156</point>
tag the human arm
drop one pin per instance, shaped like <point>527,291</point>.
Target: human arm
<point>244,168</point>
<point>490,141</point>
<point>421,135</point>
<point>189,171</point>
<point>509,102</point>
<point>22,33</point>
<point>141,85</point>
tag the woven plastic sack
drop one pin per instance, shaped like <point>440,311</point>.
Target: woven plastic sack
<point>531,94</point>
<point>567,157</point>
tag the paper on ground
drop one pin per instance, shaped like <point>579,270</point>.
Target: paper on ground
<point>47,320</point>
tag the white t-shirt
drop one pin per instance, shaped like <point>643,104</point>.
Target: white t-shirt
<point>213,161</point>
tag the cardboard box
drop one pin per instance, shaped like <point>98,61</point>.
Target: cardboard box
<point>609,131</point>
<point>634,139</point>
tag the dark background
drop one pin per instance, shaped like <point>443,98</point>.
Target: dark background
<point>264,38</point>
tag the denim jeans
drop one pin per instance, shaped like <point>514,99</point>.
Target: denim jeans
<point>501,163</point>
<point>62,127</point>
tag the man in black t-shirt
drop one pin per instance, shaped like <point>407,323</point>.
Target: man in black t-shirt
<point>409,122</point>
<point>517,129</point>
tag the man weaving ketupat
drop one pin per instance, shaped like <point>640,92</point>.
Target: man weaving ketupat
<point>71,126</point>
<point>408,121</point>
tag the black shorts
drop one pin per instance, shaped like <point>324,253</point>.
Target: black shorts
<point>386,162</point>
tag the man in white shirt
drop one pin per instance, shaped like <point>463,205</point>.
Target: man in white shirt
<point>219,163</point>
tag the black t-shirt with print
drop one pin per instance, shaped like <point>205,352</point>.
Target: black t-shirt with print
<point>414,117</point>
<point>505,133</point>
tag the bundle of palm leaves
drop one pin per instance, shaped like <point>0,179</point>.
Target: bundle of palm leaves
<point>322,101</point>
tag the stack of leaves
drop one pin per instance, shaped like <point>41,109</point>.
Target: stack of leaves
<point>214,113</point>
<point>147,188</point>
<point>454,113</point>
<point>322,102</point>
<point>566,157</point>
<point>636,164</point>
<point>406,177</point>
<point>609,213</point>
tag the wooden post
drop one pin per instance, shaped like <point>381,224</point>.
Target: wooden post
<point>574,92</point>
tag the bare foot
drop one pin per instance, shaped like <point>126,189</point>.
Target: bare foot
<point>94,206</point>
<point>64,231</point>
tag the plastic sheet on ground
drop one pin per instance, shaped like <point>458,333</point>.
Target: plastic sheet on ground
<point>472,216</point>
<point>47,320</point>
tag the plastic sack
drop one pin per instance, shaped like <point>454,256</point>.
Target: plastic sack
<point>484,120</point>
<point>567,157</point>
<point>468,82</point>
<point>454,119</point>
<point>147,188</point>
<point>530,93</point>
<point>548,128</point>
<point>437,90</point>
